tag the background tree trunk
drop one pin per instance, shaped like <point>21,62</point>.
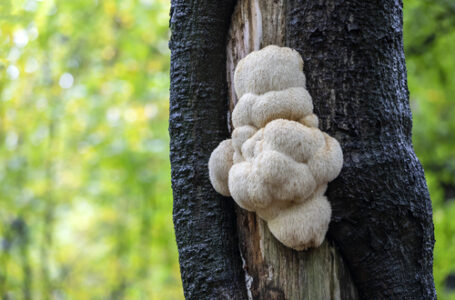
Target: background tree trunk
<point>354,63</point>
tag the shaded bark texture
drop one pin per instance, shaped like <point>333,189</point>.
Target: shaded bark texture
<point>356,73</point>
<point>204,221</point>
<point>355,68</point>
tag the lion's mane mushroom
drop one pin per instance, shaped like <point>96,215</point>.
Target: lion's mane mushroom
<point>278,162</point>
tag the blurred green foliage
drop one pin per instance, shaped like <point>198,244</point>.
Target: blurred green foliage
<point>84,170</point>
<point>429,37</point>
<point>84,173</point>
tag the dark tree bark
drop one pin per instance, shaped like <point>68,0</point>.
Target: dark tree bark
<point>382,216</point>
<point>355,68</point>
<point>204,221</point>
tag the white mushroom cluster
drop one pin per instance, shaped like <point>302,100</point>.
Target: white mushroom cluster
<point>278,162</point>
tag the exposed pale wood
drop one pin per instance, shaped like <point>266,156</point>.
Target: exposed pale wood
<point>274,271</point>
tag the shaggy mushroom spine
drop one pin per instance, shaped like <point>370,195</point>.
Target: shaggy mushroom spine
<point>278,162</point>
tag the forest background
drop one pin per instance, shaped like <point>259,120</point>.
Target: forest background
<point>85,195</point>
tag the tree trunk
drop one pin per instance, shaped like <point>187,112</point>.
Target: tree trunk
<point>354,64</point>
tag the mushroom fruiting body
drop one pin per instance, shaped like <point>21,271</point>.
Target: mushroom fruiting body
<point>278,162</point>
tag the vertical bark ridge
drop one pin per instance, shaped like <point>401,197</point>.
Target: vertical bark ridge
<point>204,221</point>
